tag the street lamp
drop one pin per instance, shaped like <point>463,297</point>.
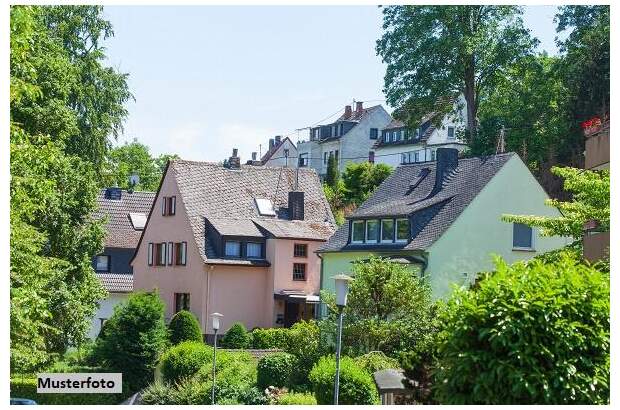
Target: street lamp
<point>216,326</point>
<point>342,289</point>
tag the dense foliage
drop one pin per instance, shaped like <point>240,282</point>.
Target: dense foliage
<point>296,399</point>
<point>305,342</point>
<point>237,337</point>
<point>184,360</point>
<point>276,370</point>
<point>375,361</point>
<point>134,338</point>
<point>270,338</point>
<point>332,175</point>
<point>388,308</point>
<point>184,327</point>
<point>531,333</point>
<point>356,385</point>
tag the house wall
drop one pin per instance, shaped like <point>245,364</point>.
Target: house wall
<point>279,160</point>
<point>169,280</point>
<point>466,248</point>
<point>119,259</point>
<point>106,308</point>
<point>357,143</point>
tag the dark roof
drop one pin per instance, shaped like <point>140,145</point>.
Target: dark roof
<point>273,150</point>
<point>225,198</point>
<point>357,115</point>
<point>120,232</point>
<point>406,192</point>
<point>116,282</point>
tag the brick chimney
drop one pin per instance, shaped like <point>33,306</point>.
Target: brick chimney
<point>234,162</point>
<point>359,107</point>
<point>254,156</point>
<point>347,111</point>
<point>296,205</point>
<point>271,143</point>
<point>278,139</point>
<point>447,161</point>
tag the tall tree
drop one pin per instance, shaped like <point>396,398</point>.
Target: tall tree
<point>438,52</point>
<point>332,176</point>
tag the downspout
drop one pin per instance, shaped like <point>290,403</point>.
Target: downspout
<point>320,313</point>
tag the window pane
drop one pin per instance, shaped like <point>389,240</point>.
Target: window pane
<point>103,263</point>
<point>387,230</point>
<point>450,133</point>
<point>358,231</point>
<point>254,250</point>
<point>299,271</point>
<point>300,250</point>
<point>233,248</point>
<point>402,229</point>
<point>521,236</point>
<point>372,231</point>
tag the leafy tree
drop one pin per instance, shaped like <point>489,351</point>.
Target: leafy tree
<point>388,308</point>
<point>591,201</point>
<point>184,327</point>
<point>434,52</point>
<point>134,338</point>
<point>162,160</point>
<point>361,179</point>
<point>332,176</point>
<point>237,337</point>
<point>532,333</point>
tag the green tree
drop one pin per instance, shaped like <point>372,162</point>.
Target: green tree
<point>388,308</point>
<point>530,333</point>
<point>184,327</point>
<point>237,337</point>
<point>134,339</point>
<point>434,52</point>
<point>332,176</point>
<point>361,179</point>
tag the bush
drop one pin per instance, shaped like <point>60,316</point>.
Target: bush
<point>530,333</point>
<point>276,370</point>
<point>304,341</point>
<point>134,338</point>
<point>356,385</point>
<point>159,393</point>
<point>235,373</point>
<point>273,338</point>
<point>184,360</point>
<point>27,388</point>
<point>375,361</point>
<point>253,396</point>
<point>184,327</point>
<point>296,398</point>
<point>236,337</point>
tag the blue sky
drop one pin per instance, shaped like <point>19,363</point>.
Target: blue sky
<point>207,79</point>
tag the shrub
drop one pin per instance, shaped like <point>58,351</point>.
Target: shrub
<point>375,361</point>
<point>235,373</point>
<point>183,327</point>
<point>356,385</point>
<point>274,338</point>
<point>304,341</point>
<point>134,338</point>
<point>529,333</point>
<point>276,370</point>
<point>184,360</point>
<point>253,396</point>
<point>159,393</point>
<point>236,337</point>
<point>296,398</point>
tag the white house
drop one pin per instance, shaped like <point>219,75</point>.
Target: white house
<point>281,153</point>
<point>400,144</point>
<point>349,139</point>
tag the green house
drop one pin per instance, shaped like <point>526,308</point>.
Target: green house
<point>443,220</point>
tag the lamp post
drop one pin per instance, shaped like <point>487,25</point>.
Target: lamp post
<point>216,326</point>
<point>342,289</point>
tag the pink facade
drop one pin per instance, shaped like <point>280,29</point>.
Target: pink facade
<point>241,293</point>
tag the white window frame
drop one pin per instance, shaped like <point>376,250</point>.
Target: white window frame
<point>260,250</point>
<point>107,264</point>
<point>169,251</point>
<point>378,231</point>
<point>393,232</point>
<point>238,255</point>
<point>353,223</point>
<point>149,257</point>
<point>396,230</point>
<point>453,133</point>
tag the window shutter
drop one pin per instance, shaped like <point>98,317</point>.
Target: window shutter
<point>183,253</point>
<point>173,205</point>
<point>149,257</point>
<point>164,203</point>
<point>162,254</point>
<point>170,250</point>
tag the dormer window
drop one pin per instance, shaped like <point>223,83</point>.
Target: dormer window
<point>232,249</point>
<point>357,232</point>
<point>387,230</point>
<point>402,230</point>
<point>372,231</point>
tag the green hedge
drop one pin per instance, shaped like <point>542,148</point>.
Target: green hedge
<point>296,399</point>
<point>184,327</point>
<point>273,338</point>
<point>184,360</point>
<point>276,370</point>
<point>27,389</point>
<point>237,337</point>
<point>356,385</point>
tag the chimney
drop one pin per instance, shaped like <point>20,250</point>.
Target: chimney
<point>447,161</point>
<point>270,144</point>
<point>254,156</point>
<point>278,139</point>
<point>347,111</point>
<point>359,106</point>
<point>234,162</point>
<point>296,205</point>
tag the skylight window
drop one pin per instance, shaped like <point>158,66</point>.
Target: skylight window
<point>138,220</point>
<point>265,207</point>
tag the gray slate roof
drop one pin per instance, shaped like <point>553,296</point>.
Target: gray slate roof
<point>116,282</point>
<point>406,192</point>
<point>120,232</point>
<point>225,197</point>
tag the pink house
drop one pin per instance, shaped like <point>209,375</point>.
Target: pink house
<point>238,240</point>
